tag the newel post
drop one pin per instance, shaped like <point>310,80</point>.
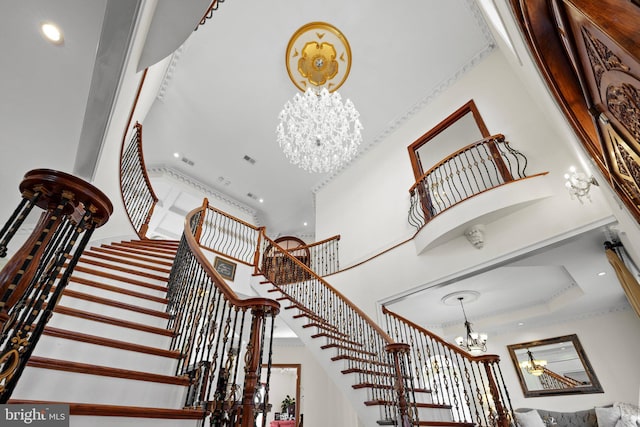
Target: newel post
<point>398,351</point>
<point>252,365</point>
<point>503,418</point>
<point>203,213</point>
<point>33,280</point>
<point>256,255</point>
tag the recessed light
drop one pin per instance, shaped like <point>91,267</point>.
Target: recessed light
<point>305,224</point>
<point>52,33</point>
<point>602,273</point>
<point>520,323</point>
<point>176,155</point>
<point>261,200</point>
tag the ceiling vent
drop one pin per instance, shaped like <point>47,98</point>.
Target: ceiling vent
<point>252,196</point>
<point>187,161</point>
<point>249,159</point>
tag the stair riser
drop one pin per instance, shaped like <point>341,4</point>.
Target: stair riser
<point>86,421</point>
<point>114,332</point>
<point>434,414</point>
<point>129,299</point>
<point>82,352</point>
<point>62,386</point>
<point>111,311</point>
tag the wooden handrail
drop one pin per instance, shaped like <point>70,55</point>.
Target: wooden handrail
<point>223,213</point>
<point>219,281</point>
<point>480,358</point>
<point>311,245</point>
<point>355,308</point>
<point>497,137</point>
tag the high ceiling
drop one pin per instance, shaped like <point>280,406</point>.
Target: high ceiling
<point>228,82</point>
<point>220,101</point>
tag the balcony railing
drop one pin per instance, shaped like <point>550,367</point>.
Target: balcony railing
<point>472,170</point>
<point>137,193</point>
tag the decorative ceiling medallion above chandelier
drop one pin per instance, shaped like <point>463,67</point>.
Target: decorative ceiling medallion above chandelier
<point>317,131</point>
<point>318,55</point>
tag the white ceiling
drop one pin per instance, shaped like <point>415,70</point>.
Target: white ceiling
<point>229,83</point>
<point>221,102</point>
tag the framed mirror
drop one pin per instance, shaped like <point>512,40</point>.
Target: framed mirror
<point>554,366</point>
<point>461,128</point>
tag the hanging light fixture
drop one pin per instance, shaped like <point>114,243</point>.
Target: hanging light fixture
<point>474,342</point>
<point>579,184</point>
<point>533,366</point>
<point>318,131</point>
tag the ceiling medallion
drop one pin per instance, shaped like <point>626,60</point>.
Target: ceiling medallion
<point>317,131</point>
<point>318,55</point>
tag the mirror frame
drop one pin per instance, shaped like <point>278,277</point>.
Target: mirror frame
<point>469,107</point>
<point>595,386</point>
<point>298,368</point>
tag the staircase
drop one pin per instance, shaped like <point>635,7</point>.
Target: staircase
<point>339,354</point>
<point>105,351</point>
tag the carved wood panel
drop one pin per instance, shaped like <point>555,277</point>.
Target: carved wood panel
<point>611,84</point>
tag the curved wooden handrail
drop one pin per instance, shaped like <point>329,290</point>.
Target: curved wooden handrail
<point>54,183</point>
<point>220,283</point>
<point>311,245</point>
<point>355,308</point>
<point>458,350</point>
<point>143,169</point>
<point>496,137</point>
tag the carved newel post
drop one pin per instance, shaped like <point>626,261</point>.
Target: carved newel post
<point>33,280</point>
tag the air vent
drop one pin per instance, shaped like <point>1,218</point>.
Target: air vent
<point>187,161</point>
<point>252,196</point>
<point>224,181</point>
<point>249,159</point>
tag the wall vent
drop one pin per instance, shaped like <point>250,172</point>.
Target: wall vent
<point>249,159</point>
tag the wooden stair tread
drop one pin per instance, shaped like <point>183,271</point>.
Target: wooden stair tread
<point>334,337</point>
<point>93,409</point>
<point>108,342</point>
<point>85,368</point>
<point>382,402</point>
<point>115,303</point>
<point>359,359</point>
<point>111,320</point>
<point>147,248</point>
<point>119,278</point>
<point>113,288</point>
<point>137,251</point>
<point>387,387</point>
<point>333,329</point>
<point>132,271</point>
<point>344,347</point>
<point>119,253</point>
<point>368,372</point>
<point>120,260</point>
<point>444,424</point>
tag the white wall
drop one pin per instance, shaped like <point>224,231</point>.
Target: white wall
<point>321,402</point>
<point>368,203</point>
<point>608,341</point>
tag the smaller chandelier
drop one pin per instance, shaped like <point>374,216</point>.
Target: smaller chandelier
<point>318,132</point>
<point>579,184</point>
<point>474,342</point>
<point>533,366</point>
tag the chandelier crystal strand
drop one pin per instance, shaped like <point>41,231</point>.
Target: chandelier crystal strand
<point>318,132</point>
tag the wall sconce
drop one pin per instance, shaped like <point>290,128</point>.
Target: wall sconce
<point>579,184</point>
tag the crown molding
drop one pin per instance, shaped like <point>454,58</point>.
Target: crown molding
<point>162,170</point>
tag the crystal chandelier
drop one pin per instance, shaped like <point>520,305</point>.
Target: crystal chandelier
<point>318,132</point>
<point>533,366</point>
<point>474,342</point>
